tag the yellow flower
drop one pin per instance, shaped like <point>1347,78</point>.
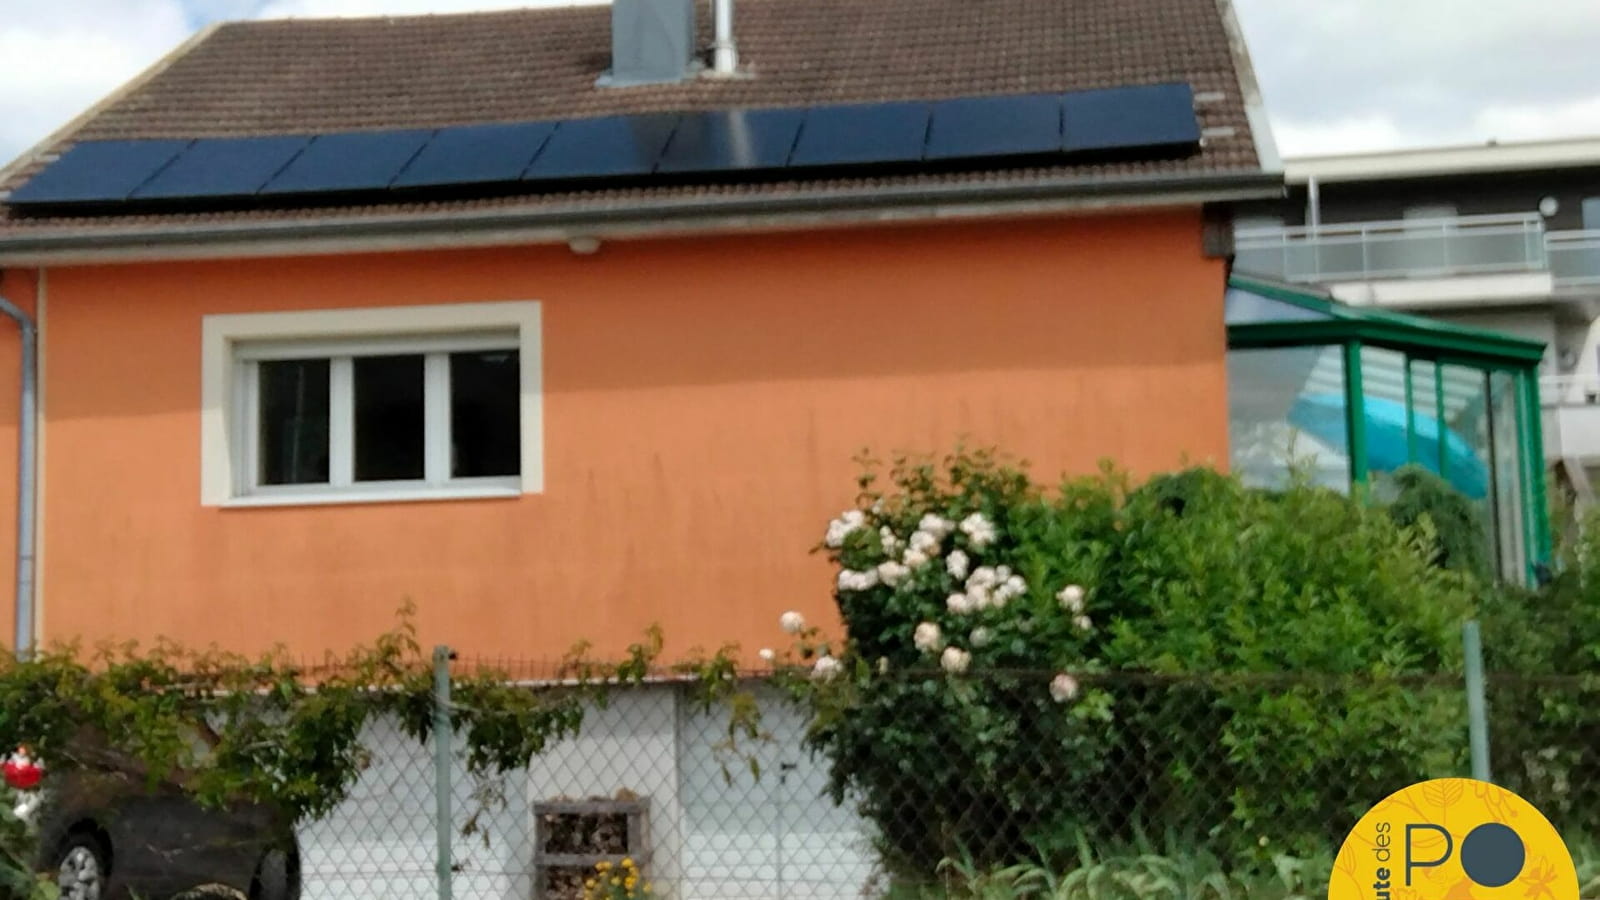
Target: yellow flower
<point>616,882</point>
<point>627,861</point>
<point>601,866</point>
<point>589,884</point>
<point>629,882</point>
<point>647,887</point>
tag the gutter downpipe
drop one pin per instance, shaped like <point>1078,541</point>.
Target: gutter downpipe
<point>27,467</point>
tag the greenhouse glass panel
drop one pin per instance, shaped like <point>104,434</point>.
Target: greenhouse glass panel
<point>1389,430</point>
<point>1508,481</point>
<point>1286,413</point>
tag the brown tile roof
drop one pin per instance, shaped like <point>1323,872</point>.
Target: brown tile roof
<point>302,76</point>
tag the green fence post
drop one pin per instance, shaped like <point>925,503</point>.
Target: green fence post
<point>442,787</point>
<point>1477,714</point>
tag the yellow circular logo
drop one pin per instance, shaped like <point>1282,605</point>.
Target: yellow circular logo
<point>1453,839</point>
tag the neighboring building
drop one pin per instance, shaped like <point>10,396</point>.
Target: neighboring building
<point>1502,236</point>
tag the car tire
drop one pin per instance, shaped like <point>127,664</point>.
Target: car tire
<point>277,876</point>
<point>82,867</point>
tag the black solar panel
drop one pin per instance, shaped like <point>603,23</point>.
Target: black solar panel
<point>1145,121</point>
<point>1025,124</point>
<point>861,134</point>
<point>98,172</point>
<point>357,161</point>
<point>732,140</point>
<point>1130,118</point>
<point>222,167</point>
<point>476,154</point>
<point>615,146</point>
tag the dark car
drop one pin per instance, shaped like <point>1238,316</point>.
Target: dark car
<point>112,837</point>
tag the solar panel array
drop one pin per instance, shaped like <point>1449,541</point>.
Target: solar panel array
<point>1129,122</point>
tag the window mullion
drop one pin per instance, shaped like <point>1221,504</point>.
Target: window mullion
<point>436,418</point>
<point>341,421</point>
<point>247,427</point>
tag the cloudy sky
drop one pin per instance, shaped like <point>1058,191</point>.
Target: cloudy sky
<point>1339,75</point>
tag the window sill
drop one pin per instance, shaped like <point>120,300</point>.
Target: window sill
<point>385,495</point>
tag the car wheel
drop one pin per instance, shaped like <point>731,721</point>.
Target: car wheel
<point>277,876</point>
<point>82,866</point>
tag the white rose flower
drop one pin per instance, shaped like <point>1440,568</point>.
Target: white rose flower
<point>956,564</point>
<point>982,576</point>
<point>889,540</point>
<point>825,668</point>
<point>1012,587</point>
<point>981,637</point>
<point>858,581</point>
<point>841,528</point>
<point>1063,687</point>
<point>1083,623</point>
<point>958,604</point>
<point>979,530</point>
<point>1071,598</point>
<point>927,637</point>
<point>892,573</point>
<point>924,542</point>
<point>955,660</point>
<point>767,654</point>
<point>938,526</point>
<point>915,559</point>
<point>883,665</point>
<point>1001,573</point>
<point>980,597</point>
<point>792,622</point>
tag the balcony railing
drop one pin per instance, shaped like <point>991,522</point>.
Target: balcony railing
<point>1569,390</point>
<point>1412,248</point>
<point>1574,257</point>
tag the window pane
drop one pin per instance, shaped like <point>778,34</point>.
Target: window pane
<point>485,414</point>
<point>1425,446</point>
<point>1286,413</point>
<point>294,421</point>
<point>1509,511</point>
<point>389,417</point>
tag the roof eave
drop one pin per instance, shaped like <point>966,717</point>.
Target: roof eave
<point>369,232</point>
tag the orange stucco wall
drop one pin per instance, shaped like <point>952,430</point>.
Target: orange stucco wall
<point>703,400</point>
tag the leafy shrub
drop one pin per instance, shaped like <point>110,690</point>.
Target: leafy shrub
<point>982,704</point>
<point>1412,492</point>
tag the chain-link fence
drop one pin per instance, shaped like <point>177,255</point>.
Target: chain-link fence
<point>1251,779</point>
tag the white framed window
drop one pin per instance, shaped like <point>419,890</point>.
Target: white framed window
<point>345,406</point>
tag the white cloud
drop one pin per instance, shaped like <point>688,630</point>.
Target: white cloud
<point>1349,135</point>
<point>1388,73</point>
<point>1578,118</point>
<point>61,58</point>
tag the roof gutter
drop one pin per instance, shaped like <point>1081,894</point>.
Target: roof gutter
<point>469,228</point>
<point>27,468</point>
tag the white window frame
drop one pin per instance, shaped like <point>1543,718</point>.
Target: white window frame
<point>234,345</point>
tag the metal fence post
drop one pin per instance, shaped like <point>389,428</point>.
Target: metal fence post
<point>1477,714</point>
<point>442,787</point>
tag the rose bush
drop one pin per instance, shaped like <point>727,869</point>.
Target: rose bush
<point>1018,662</point>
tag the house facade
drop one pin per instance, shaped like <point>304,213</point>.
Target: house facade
<point>554,409</point>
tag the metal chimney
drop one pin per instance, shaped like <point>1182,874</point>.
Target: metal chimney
<point>652,42</point>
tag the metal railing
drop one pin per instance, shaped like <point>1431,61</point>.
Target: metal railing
<point>1412,248</point>
<point>1574,257</point>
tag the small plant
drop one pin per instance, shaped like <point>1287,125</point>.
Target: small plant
<point>619,882</point>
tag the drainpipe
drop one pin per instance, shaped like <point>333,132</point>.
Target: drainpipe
<point>1313,203</point>
<point>724,53</point>
<point>27,466</point>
